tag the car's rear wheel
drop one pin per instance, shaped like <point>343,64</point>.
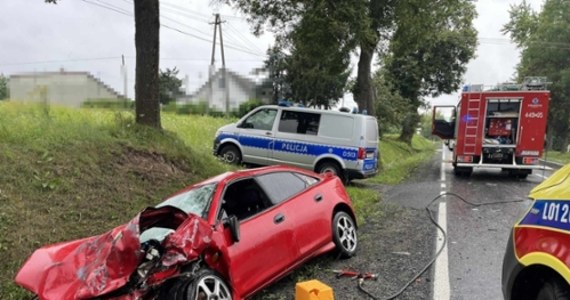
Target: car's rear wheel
<point>230,154</point>
<point>207,285</point>
<point>554,289</point>
<point>344,234</point>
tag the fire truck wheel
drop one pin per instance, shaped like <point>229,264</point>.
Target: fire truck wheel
<point>463,171</point>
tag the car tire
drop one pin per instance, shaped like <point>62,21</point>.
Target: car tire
<point>332,167</point>
<point>344,234</point>
<point>554,289</point>
<point>230,154</point>
<point>207,284</point>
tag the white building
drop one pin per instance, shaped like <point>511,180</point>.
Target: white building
<point>60,88</point>
<point>238,89</point>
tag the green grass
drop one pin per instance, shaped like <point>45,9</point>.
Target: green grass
<point>556,156</point>
<point>399,159</point>
<point>69,173</point>
<point>73,173</point>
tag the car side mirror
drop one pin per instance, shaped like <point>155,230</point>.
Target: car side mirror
<point>233,223</point>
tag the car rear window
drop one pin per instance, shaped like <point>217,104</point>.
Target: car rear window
<point>280,186</point>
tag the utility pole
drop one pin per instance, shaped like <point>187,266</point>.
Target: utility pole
<point>218,26</point>
<point>124,73</point>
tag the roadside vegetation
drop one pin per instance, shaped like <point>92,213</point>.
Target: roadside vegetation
<point>558,157</point>
<point>72,173</point>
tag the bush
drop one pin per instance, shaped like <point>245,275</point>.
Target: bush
<point>109,103</point>
<point>246,107</point>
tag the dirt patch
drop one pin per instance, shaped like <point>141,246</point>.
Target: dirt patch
<point>149,166</point>
<point>396,246</point>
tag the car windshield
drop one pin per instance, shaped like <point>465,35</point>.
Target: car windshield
<point>195,201</point>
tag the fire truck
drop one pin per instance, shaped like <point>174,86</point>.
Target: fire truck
<point>501,127</point>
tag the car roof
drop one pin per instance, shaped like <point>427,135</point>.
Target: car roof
<point>229,176</point>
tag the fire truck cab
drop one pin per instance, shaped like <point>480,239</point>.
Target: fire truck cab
<point>502,127</point>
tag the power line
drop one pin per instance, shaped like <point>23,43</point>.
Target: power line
<point>174,28</point>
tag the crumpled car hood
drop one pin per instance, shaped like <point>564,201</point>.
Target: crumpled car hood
<point>95,266</point>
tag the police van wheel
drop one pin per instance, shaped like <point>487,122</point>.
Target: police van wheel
<point>331,167</point>
<point>230,154</point>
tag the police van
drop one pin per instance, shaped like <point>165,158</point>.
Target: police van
<point>319,140</point>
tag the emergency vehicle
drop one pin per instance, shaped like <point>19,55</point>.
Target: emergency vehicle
<point>502,127</point>
<point>537,260</point>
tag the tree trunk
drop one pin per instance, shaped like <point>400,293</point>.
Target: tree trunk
<point>409,125</point>
<point>147,28</point>
<point>364,91</point>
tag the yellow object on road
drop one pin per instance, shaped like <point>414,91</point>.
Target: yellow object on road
<point>313,290</point>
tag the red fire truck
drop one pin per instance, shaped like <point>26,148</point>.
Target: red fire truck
<point>502,127</point>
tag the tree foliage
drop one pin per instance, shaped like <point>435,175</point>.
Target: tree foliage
<point>315,39</point>
<point>169,85</point>
<point>429,51</point>
<point>544,40</point>
<point>3,87</point>
<point>318,66</point>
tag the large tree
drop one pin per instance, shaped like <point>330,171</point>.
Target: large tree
<point>429,51</point>
<point>147,28</point>
<point>543,38</point>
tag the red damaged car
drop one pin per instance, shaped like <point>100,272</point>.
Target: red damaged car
<point>223,238</point>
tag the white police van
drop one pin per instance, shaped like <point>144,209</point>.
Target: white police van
<point>320,140</point>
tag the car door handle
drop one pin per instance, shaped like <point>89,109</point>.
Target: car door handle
<point>279,218</point>
<point>318,197</point>
<point>268,133</point>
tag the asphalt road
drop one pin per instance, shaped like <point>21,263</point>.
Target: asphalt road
<point>470,268</point>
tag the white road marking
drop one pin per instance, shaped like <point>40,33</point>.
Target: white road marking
<point>540,175</point>
<point>441,288</point>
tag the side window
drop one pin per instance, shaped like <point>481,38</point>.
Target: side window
<point>281,186</point>
<point>243,199</point>
<point>299,122</point>
<point>262,120</point>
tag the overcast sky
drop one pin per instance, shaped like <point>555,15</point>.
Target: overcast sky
<point>91,35</point>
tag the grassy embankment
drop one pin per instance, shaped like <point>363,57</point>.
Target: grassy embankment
<point>558,157</point>
<point>68,173</point>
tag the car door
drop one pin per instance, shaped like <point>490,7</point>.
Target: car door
<point>256,136</point>
<point>264,250</point>
<point>296,141</point>
<point>300,198</point>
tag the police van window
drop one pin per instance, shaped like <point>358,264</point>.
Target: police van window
<point>281,186</point>
<point>262,120</point>
<point>299,122</point>
<point>337,126</point>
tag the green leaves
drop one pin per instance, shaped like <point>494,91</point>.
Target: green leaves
<point>169,85</point>
<point>3,87</point>
<point>545,43</point>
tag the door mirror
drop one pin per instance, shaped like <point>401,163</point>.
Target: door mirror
<point>233,223</point>
<point>443,122</point>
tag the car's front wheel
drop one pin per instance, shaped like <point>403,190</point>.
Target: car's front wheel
<point>344,234</point>
<point>207,285</point>
<point>554,289</point>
